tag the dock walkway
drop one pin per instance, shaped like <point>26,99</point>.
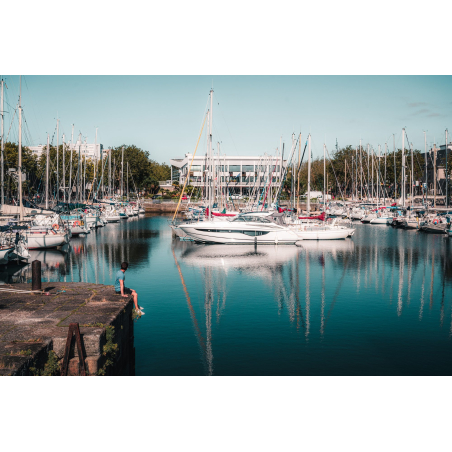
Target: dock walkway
<point>33,325</point>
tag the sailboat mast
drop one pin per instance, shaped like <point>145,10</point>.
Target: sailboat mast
<point>395,170</point>
<point>384,184</point>
<point>2,158</point>
<point>127,188</point>
<point>426,162</point>
<point>57,159</point>
<point>95,165</point>
<point>70,166</point>
<point>308,206</point>
<point>64,173</point>
<point>412,176</point>
<point>47,172</point>
<point>324,176</point>
<point>361,155</point>
<point>109,173</point>
<point>21,214</point>
<point>403,167</point>
<point>122,173</point>
<point>368,174</point>
<point>210,155</point>
<point>447,175</point>
<point>79,191</point>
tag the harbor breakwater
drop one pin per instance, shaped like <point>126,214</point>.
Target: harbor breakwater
<point>34,330</point>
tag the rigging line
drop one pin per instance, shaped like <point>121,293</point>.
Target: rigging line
<point>15,110</point>
<point>337,182</point>
<point>227,127</point>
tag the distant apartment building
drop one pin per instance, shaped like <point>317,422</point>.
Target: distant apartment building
<point>440,152</point>
<point>89,150</point>
<point>239,173</point>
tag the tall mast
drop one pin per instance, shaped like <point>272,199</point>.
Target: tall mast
<point>64,173</point>
<point>324,176</point>
<point>2,194</point>
<point>84,174</point>
<point>70,166</point>
<point>122,174</point>
<point>412,177</point>
<point>47,172</point>
<point>361,154</point>
<point>395,170</point>
<point>210,155</point>
<point>356,172</point>
<point>21,214</point>
<point>378,175</point>
<point>372,161</point>
<point>447,175</point>
<point>127,188</point>
<point>368,174</point>
<point>384,184</point>
<point>95,165</point>
<point>308,206</point>
<point>403,167</point>
<point>109,173</point>
<point>79,191</point>
<point>426,165</point>
<point>434,174</point>
<point>298,174</point>
<point>57,158</point>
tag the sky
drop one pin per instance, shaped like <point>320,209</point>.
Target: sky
<point>251,114</point>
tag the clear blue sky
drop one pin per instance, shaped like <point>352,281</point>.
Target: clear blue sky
<point>163,114</point>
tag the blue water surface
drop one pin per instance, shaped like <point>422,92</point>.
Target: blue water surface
<point>376,304</point>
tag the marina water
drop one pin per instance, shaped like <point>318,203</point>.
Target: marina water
<point>376,304</point>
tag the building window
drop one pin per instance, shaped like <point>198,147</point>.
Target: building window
<point>248,168</point>
<point>234,168</point>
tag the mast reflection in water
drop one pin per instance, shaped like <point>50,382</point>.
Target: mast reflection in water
<point>376,304</point>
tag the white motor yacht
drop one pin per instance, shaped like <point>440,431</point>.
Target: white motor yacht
<point>241,230</point>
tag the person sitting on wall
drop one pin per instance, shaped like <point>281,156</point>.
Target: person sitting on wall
<point>125,291</point>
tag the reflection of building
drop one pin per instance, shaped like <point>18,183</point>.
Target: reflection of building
<point>440,169</point>
<point>90,151</point>
<point>239,173</point>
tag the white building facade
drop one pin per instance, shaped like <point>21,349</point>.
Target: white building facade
<point>89,150</point>
<point>241,174</point>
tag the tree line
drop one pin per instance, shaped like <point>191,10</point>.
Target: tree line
<point>346,167</point>
<point>144,173</point>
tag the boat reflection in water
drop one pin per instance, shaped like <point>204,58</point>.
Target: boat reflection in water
<point>277,266</point>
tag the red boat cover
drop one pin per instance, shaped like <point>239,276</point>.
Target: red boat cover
<point>319,217</point>
<point>217,214</point>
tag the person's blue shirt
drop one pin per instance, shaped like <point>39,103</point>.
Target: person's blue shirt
<point>119,275</point>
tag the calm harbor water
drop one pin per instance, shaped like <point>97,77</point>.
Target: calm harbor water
<point>376,304</point>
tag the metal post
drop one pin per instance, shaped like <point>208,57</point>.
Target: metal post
<point>36,275</point>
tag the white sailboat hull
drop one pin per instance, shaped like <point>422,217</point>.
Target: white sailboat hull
<point>37,241</point>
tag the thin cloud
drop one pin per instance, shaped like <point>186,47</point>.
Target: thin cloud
<point>432,115</point>
<point>422,111</point>
<point>416,104</point>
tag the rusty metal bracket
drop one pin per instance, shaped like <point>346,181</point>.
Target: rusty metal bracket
<point>73,329</point>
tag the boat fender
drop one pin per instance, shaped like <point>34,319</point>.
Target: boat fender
<point>435,221</point>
